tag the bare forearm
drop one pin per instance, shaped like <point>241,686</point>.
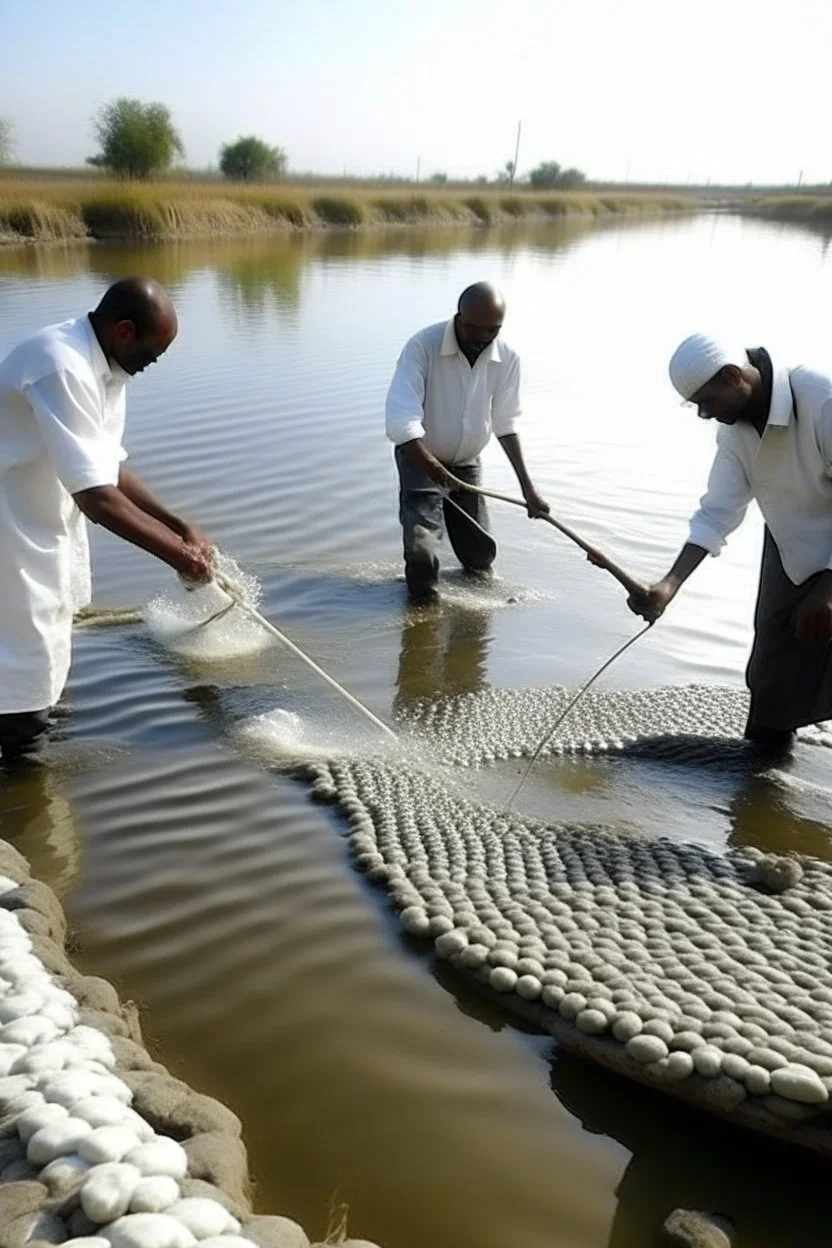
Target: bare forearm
<point>536,505</point>
<point>423,459</point>
<point>113,509</point>
<point>142,497</point>
<point>687,562</point>
<point>514,452</point>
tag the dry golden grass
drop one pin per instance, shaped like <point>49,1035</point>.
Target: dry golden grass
<point>60,209</point>
<point>811,209</point>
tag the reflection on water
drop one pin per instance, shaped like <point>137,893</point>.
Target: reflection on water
<point>37,816</point>
<point>215,894</point>
<point>441,649</point>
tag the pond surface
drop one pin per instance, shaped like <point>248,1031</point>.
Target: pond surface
<point>216,895</point>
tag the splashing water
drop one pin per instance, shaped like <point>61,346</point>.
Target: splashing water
<point>182,620</point>
<point>282,736</point>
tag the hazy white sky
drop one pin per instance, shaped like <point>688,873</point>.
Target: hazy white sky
<point>722,89</point>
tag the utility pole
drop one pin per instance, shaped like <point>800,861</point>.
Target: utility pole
<point>418,168</point>
<point>799,179</point>
<point>516,155</point>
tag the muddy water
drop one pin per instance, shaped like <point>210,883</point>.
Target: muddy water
<point>218,897</point>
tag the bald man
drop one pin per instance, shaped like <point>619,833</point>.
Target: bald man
<point>455,384</point>
<point>774,444</point>
<point>62,411</point>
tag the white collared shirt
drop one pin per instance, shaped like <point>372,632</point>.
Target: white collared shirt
<point>788,471</point>
<point>437,395</point>
<point>61,426</point>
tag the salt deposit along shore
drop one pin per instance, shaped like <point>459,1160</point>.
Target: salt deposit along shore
<point>99,1145</point>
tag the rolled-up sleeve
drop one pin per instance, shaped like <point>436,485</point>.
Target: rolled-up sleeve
<point>68,415</point>
<point>723,505</point>
<point>505,406</point>
<point>405,407</point>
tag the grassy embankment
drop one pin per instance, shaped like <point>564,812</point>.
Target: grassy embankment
<point>807,209</point>
<point>62,210</point>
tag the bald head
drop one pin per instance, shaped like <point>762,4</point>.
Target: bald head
<point>135,323</point>
<point>482,295</point>
<point>479,319</point>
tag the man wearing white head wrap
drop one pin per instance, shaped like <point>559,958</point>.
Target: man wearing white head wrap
<point>774,445</point>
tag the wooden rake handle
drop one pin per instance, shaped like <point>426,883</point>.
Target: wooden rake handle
<point>596,556</point>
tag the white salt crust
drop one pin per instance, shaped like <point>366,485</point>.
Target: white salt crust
<point>74,1116</point>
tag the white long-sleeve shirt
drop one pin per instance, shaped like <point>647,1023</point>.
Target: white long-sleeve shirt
<point>788,471</point>
<point>437,395</point>
<point>61,425</point>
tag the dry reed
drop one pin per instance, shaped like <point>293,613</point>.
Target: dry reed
<point>62,209</point>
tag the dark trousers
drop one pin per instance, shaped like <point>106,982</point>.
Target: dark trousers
<point>790,680</point>
<point>424,510</point>
<point>22,734</point>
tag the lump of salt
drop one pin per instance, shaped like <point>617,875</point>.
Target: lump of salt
<point>204,1218</point>
<point>28,1031</point>
<point>160,1156</point>
<point>148,1230</point>
<point>155,1194</point>
<point>450,943</point>
<point>646,1048</point>
<point>63,1175</point>
<point>529,987</point>
<point>107,1191</point>
<point>69,1086</point>
<point>735,1066</point>
<point>679,1066</point>
<point>592,1022</point>
<point>32,1120</point>
<point>111,1143</point>
<point>20,1005</point>
<point>415,921</point>
<point>799,1083</point>
<point>571,1006</point>
<point>626,1026</point>
<point>10,1055</point>
<point>56,1139</point>
<point>552,995</point>
<point>757,1080</point>
<point>237,1241</point>
<point>708,1060</point>
<point>502,979</point>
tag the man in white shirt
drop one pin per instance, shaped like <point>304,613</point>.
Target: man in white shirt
<point>62,410</point>
<point>774,445</point>
<point>455,383</point>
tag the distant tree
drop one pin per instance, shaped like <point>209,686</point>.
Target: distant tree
<point>136,139</point>
<point>482,180</point>
<point>251,159</point>
<point>6,141</point>
<point>549,174</point>
<point>439,178</point>
<point>506,174</point>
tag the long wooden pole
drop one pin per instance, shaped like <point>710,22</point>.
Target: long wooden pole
<point>596,556</point>
<point>253,614</point>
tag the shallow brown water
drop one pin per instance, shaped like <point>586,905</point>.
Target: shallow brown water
<point>214,893</point>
